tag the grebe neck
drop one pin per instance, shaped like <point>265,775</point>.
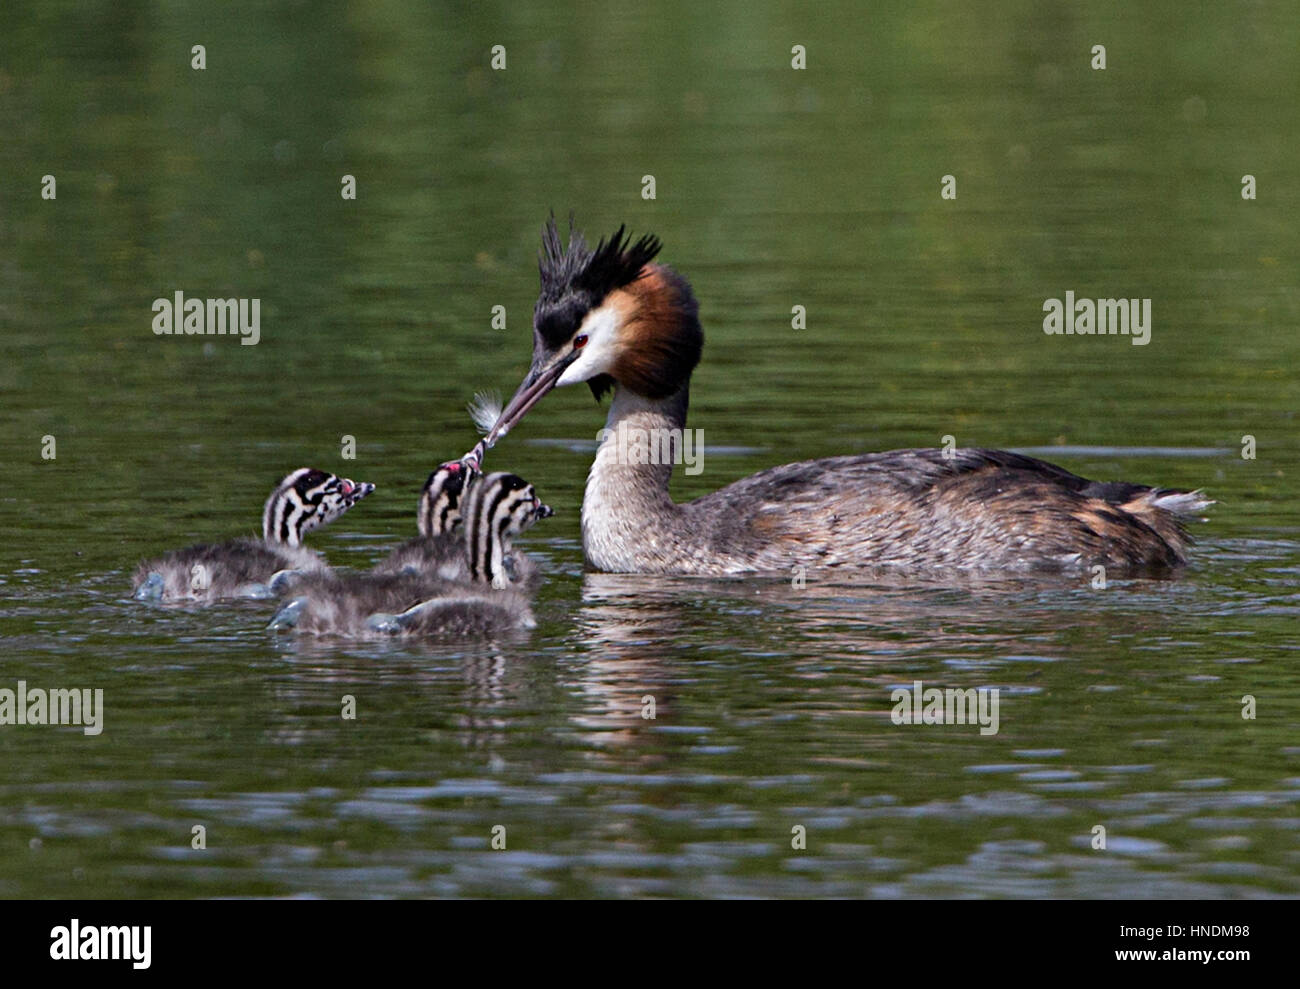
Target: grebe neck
<point>627,501</point>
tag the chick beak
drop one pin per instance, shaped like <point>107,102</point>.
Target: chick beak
<point>354,491</point>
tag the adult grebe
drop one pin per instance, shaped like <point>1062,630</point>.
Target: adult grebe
<point>304,500</point>
<point>612,318</point>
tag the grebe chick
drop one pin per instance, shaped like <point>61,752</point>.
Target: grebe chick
<point>439,546</point>
<point>304,500</point>
<point>442,548</point>
<point>616,320</point>
<point>499,507</point>
<point>484,596</point>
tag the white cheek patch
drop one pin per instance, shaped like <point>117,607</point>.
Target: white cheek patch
<point>597,357</point>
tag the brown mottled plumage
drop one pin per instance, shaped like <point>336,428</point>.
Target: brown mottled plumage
<point>614,319</point>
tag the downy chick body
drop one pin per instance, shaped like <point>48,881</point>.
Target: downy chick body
<point>305,499</point>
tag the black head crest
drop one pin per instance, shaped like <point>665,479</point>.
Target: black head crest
<point>575,280</point>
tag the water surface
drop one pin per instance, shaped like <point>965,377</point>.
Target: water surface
<point>1120,708</point>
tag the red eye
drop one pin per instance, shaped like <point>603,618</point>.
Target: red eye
<point>580,341</point>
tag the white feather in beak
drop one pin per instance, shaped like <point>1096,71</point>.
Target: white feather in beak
<point>485,409</point>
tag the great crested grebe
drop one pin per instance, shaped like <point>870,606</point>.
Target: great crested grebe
<point>305,499</point>
<point>440,551</point>
<point>612,318</point>
<point>486,592</point>
<point>437,516</point>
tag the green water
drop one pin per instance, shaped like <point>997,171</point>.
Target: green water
<point>775,188</point>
